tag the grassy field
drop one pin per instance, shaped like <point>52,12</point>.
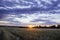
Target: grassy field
<point>29,34</point>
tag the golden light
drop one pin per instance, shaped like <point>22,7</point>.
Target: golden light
<point>30,26</point>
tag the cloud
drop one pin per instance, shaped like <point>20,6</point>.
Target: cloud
<point>38,2</point>
<point>6,23</point>
<point>47,1</point>
<point>35,18</point>
<point>56,20</point>
<point>25,4</point>
<point>15,7</point>
<point>34,11</point>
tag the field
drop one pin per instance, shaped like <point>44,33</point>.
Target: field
<point>29,34</point>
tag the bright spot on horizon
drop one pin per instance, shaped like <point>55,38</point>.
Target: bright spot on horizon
<point>30,26</point>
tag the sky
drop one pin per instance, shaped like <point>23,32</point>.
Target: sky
<point>25,12</point>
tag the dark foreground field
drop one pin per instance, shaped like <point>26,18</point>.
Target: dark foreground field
<point>29,34</point>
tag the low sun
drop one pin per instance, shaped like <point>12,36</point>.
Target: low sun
<point>30,26</point>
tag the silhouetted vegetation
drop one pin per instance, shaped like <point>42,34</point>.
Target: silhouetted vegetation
<point>52,26</point>
<point>58,26</point>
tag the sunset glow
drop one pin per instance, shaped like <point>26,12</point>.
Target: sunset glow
<point>30,26</point>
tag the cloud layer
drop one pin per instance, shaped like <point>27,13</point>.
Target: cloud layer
<point>35,18</point>
<point>23,4</point>
<point>24,12</point>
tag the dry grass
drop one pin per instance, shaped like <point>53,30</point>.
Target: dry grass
<point>30,34</point>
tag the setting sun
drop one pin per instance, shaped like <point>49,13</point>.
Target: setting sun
<point>30,26</point>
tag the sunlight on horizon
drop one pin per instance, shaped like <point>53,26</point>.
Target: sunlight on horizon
<point>30,26</point>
